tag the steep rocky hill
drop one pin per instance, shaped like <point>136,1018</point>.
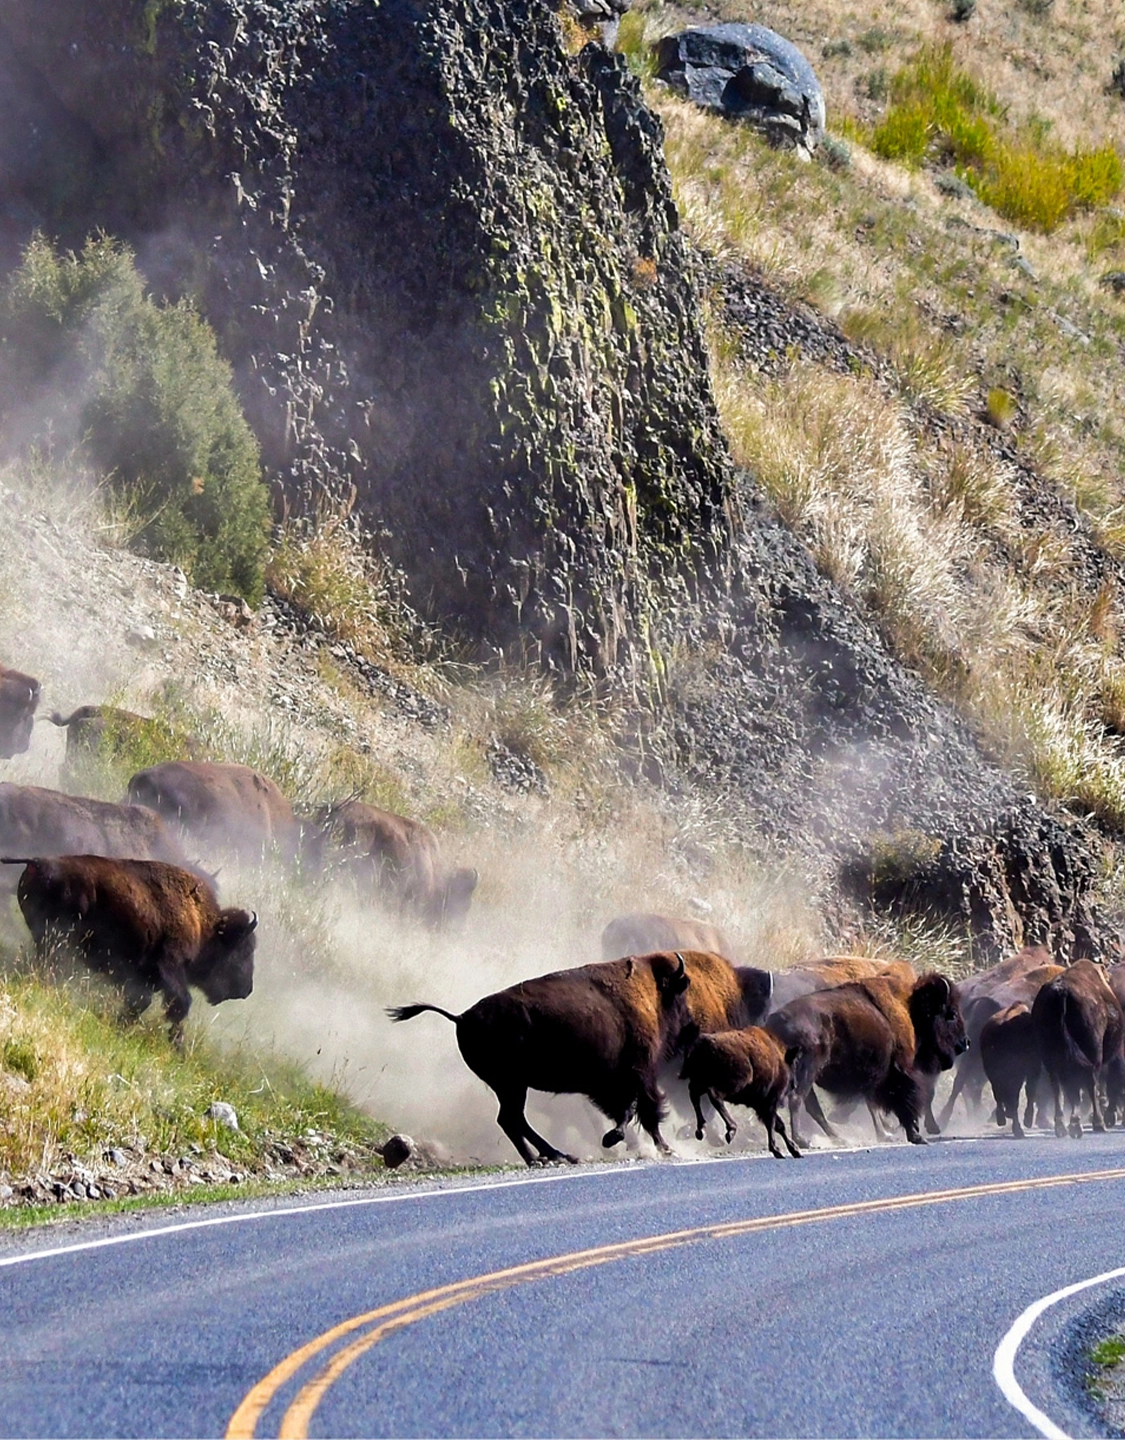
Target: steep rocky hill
<point>442,252</point>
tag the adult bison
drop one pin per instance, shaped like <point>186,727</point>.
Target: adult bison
<point>147,925</point>
<point>401,856</point>
<point>94,728</point>
<point>836,970</point>
<point>35,821</point>
<point>599,1031</point>
<point>19,695</point>
<point>1010,1057</point>
<point>1015,981</point>
<point>1080,1029</point>
<point>229,807</point>
<point>644,932</point>
<point>862,1040</point>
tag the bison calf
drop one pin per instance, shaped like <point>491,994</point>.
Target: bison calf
<point>747,1067</point>
<point>146,925</point>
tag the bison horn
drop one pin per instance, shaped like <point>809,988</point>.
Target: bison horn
<point>683,968</point>
<point>253,919</point>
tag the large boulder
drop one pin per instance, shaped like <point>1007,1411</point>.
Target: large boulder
<point>750,73</point>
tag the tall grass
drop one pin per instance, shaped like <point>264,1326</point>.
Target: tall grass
<point>938,113</point>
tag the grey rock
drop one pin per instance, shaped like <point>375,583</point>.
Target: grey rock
<point>117,1157</point>
<point>1114,280</point>
<point>398,1150</point>
<point>6,1193</point>
<point>1117,79</point>
<point>14,1084</point>
<point>222,1114</point>
<point>141,637</point>
<point>1024,266</point>
<point>953,186</point>
<point>751,73</point>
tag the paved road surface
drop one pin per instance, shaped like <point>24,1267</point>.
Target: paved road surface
<point>866,1319</point>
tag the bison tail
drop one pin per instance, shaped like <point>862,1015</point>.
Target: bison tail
<point>408,1012</point>
<point>56,718</point>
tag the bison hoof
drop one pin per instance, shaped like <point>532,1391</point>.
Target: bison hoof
<point>917,1138</point>
<point>699,1133</point>
<point>613,1137</point>
<point>731,1133</point>
<point>1075,1129</point>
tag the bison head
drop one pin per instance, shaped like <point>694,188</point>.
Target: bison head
<point>757,991</point>
<point>225,967</point>
<point>939,1028</point>
<point>455,896</point>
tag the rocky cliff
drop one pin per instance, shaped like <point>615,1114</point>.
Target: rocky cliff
<point>443,256</point>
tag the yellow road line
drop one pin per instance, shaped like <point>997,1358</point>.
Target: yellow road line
<point>400,1313</point>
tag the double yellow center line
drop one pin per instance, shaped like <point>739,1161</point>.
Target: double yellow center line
<point>375,1325</point>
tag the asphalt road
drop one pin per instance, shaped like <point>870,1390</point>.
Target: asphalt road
<point>818,1309</point>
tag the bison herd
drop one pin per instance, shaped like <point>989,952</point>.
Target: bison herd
<point>854,1028</point>
<point>117,881</point>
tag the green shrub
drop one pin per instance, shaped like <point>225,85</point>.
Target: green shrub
<point>939,113</point>
<point>144,390</point>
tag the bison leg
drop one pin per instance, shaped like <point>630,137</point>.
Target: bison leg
<point>1060,1127</point>
<point>1097,1120</point>
<point>881,1130</point>
<point>901,1094</point>
<point>812,1105</point>
<point>177,999</point>
<point>621,1118</point>
<point>650,1111</point>
<point>779,1126</point>
<point>138,997</point>
<point>514,1124</point>
<point>732,1128</point>
<point>696,1093</point>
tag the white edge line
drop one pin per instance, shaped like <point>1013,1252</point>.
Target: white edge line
<point>282,1211</point>
<point>1003,1362</point>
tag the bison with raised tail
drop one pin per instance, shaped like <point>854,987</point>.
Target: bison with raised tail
<point>19,695</point>
<point>599,1031</point>
<point>146,925</point>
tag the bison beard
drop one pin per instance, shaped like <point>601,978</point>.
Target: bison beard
<point>147,925</point>
<point>599,1031</point>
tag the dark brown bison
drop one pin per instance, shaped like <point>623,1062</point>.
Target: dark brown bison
<point>227,807</point>
<point>1079,1028</point>
<point>644,932</point>
<point>1010,1057</point>
<point>747,1067</point>
<point>722,996</point>
<point>1015,981</point>
<point>94,728</point>
<point>599,1031</point>
<point>34,821</point>
<point>863,1040</point>
<point>147,925</point>
<point>403,857</point>
<point>19,695</point>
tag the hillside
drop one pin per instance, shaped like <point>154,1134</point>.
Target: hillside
<point>743,535</point>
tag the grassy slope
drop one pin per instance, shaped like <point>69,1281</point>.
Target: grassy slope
<point>929,528</point>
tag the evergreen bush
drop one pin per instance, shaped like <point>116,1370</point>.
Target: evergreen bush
<point>142,390</point>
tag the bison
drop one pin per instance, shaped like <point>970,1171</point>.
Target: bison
<point>836,970</point>
<point>1014,981</point>
<point>643,932</point>
<point>230,807</point>
<point>19,695</point>
<point>94,728</point>
<point>747,1067</point>
<point>148,926</point>
<point>863,1040</point>
<point>1010,1058</point>
<point>598,1030</point>
<point>403,856</point>
<point>34,821</point>
<point>1079,1027</point>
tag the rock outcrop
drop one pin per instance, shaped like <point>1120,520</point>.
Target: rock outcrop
<point>750,73</point>
<point>443,256</point>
